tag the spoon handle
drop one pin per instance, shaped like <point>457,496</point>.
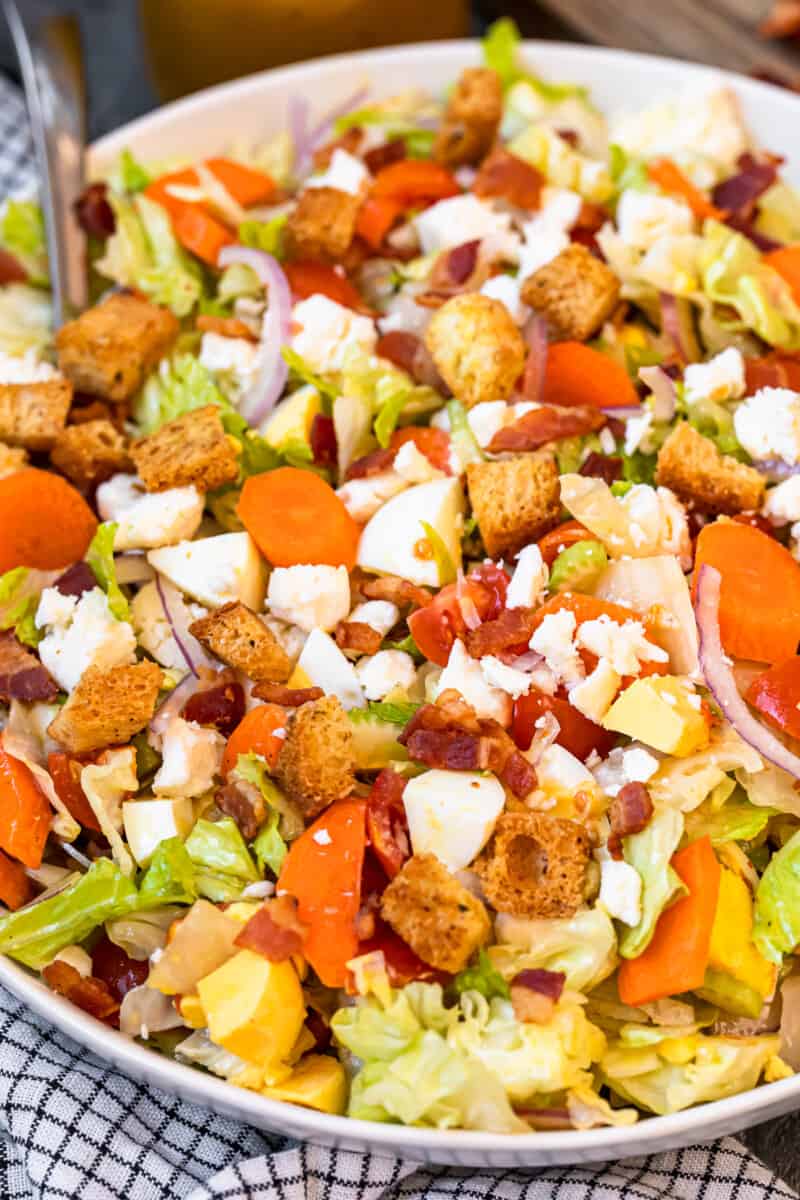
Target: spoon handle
<point>51,64</point>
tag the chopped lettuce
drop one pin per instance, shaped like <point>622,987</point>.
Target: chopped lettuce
<point>19,600</point>
<point>627,172</point>
<point>501,47</point>
<point>132,175</point>
<point>776,928</point>
<point>180,385</point>
<point>583,947</point>
<point>223,866</point>
<point>100,557</point>
<point>170,877</point>
<point>22,233</point>
<point>265,235</point>
<point>26,316</point>
<point>396,119</point>
<point>302,372</point>
<point>391,408</point>
<point>482,977</point>
<point>649,853</point>
<point>561,165</point>
<point>579,567</point>
<point>237,281</point>
<point>269,847</point>
<point>735,821</point>
<point>107,784</point>
<point>778,213</point>
<point>253,769</point>
<point>143,253</point>
<point>394,712</point>
<point>734,274</point>
<point>462,438</point>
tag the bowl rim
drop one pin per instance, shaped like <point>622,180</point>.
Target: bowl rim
<point>139,1060</point>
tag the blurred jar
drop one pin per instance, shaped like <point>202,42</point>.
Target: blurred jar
<point>192,44</point>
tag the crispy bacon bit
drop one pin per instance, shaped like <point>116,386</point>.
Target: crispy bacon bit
<point>449,750</point>
<point>591,218</point>
<point>454,267</point>
<point>322,439</point>
<point>400,591</point>
<point>449,735</point>
<point>350,141</point>
<point>507,177</point>
<point>22,676</point>
<point>222,707</point>
<point>245,804</point>
<point>11,270</point>
<point>374,463</point>
<point>275,931</point>
<point>518,775</point>
<point>94,213</point>
<point>607,467</point>
<point>277,693</point>
<point>629,812</point>
<point>513,627</point>
<point>546,983</point>
<point>739,193</point>
<point>230,327</point>
<point>113,967</point>
<point>357,635</point>
<point>410,354</point>
<point>383,156</point>
<point>387,825</point>
<point>547,424</point>
<point>90,994</point>
<point>76,580</point>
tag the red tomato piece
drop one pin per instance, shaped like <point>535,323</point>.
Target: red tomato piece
<point>387,827</point>
<point>577,733</point>
<point>116,969</point>
<point>402,964</point>
<point>436,626</point>
<point>65,772</point>
<point>314,278</point>
<point>776,695</point>
<point>433,443</point>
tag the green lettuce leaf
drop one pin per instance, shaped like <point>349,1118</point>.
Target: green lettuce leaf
<point>482,977</point>
<point>301,373</point>
<point>25,319</point>
<point>394,713</point>
<point>143,253</point>
<point>221,859</point>
<point>181,385</point>
<point>35,934</point>
<point>579,567</point>
<point>391,409</point>
<point>22,233</point>
<point>733,274</point>
<point>269,847</point>
<point>627,172</point>
<point>236,281</point>
<point>462,438</point>
<point>501,47</point>
<point>265,235</point>
<point>736,821</point>
<point>583,947</point>
<point>395,123</point>
<point>19,600</point>
<point>253,769</point>
<point>170,878</point>
<point>132,175</point>
<point>100,557</point>
<point>776,927</point>
<point>778,214</point>
<point>649,853</point>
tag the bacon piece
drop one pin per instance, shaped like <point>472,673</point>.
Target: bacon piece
<point>629,812</point>
<point>90,994</point>
<point>357,635</point>
<point>245,804</point>
<point>387,825</point>
<point>222,707</point>
<point>448,734</point>
<point>517,774</point>
<point>350,141</point>
<point>11,270</point>
<point>514,627</point>
<point>94,213</point>
<point>453,268</point>
<point>607,467</point>
<point>76,580</point>
<point>275,931</point>
<point>410,354</point>
<point>22,676</point>
<point>449,750</point>
<point>278,693</point>
<point>374,463</point>
<point>322,439</point>
<point>507,177</point>
<point>401,592</point>
<point>547,424</point>
<point>230,327</point>
<point>383,156</point>
<point>782,21</point>
<point>546,983</point>
<point>739,193</point>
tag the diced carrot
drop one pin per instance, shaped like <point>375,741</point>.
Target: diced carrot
<point>65,772</point>
<point>16,888</point>
<point>578,374</point>
<point>670,178</point>
<point>159,189</point>
<point>433,443</point>
<point>24,812</point>
<point>759,608</point>
<point>294,516</point>
<point>44,521</point>
<point>677,957</point>
<point>323,872</point>
<point>256,734</point>
<point>414,180</point>
<point>201,234</point>
<point>247,186</point>
<point>786,261</point>
<point>375,218</point>
<point>310,278</point>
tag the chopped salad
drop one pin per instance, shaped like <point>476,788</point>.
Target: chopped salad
<point>400,607</point>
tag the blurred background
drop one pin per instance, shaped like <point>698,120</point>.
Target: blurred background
<point>143,51</point>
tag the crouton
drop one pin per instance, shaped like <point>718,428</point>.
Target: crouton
<point>514,501</point>
<point>322,224</point>
<point>575,292</point>
<point>192,449</point>
<point>535,865</point>
<point>443,923</point>
<point>692,466</point>
<point>90,453</point>
<point>316,763</point>
<point>12,458</point>
<point>33,414</point>
<point>472,118</point>
<point>111,348</point>
<point>477,348</point>
<point>107,707</point>
<point>240,639</point>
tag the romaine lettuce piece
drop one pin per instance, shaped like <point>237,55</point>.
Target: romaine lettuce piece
<point>170,878</point>
<point>649,853</point>
<point>221,858</point>
<point>100,557</point>
<point>22,234</point>
<point>776,928</point>
<point>733,274</point>
<point>180,385</point>
<point>20,589</point>
<point>583,947</point>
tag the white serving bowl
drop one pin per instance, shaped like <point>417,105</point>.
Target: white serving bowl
<point>254,109</point>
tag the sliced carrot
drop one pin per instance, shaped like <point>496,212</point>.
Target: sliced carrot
<point>415,179</point>
<point>247,186</point>
<point>375,218</point>
<point>24,812</point>
<point>65,772</point>
<point>293,516</point>
<point>323,872</point>
<point>312,278</point>
<point>44,521</point>
<point>677,957</point>
<point>670,178</point>
<point>759,608</point>
<point>577,374</point>
<point>16,888</point>
<point>201,234</point>
<point>256,734</point>
<point>786,261</point>
<point>433,443</point>
<point>159,189</point>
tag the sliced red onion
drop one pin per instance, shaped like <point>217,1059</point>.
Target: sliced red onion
<point>545,983</point>
<point>459,263</point>
<point>745,226</point>
<point>719,677</point>
<point>739,193</point>
<point>133,567</point>
<point>179,619</point>
<point>624,414</point>
<point>535,334</point>
<point>676,320</point>
<point>664,393</point>
<point>76,580</point>
<point>324,127</point>
<point>273,373</point>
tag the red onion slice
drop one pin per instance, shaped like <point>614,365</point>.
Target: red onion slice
<point>273,373</point>
<point>535,334</point>
<point>663,388</point>
<point>545,983</point>
<point>179,619</point>
<point>719,677</point>
<point>675,319</point>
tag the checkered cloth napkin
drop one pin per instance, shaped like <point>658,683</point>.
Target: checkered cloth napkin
<point>73,1128</point>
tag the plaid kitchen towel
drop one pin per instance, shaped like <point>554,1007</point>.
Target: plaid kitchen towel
<point>17,169</point>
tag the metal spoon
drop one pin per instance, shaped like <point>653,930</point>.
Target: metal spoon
<point>51,64</point>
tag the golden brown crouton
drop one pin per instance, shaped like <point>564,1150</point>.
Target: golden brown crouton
<point>110,348</point>
<point>12,458</point>
<point>692,466</point>
<point>477,348</point>
<point>107,707</point>
<point>33,414</point>
<point>322,224</point>
<point>192,449</point>
<point>473,114</point>
<point>514,501</point>
<point>442,922</point>
<point>535,865</point>
<point>236,636</point>
<point>576,293</point>
<point>316,764</point>
<point>90,453</point>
